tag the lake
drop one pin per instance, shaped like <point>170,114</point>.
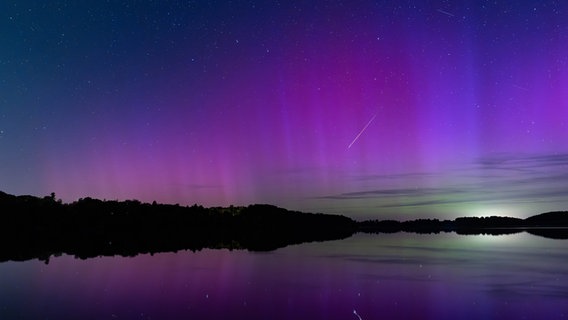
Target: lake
<point>386,276</point>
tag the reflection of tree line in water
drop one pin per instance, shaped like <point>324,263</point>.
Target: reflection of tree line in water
<point>42,227</point>
<point>552,225</point>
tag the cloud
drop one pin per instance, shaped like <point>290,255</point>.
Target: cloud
<point>503,178</point>
<point>396,176</point>
<point>389,193</point>
<point>201,186</point>
<point>523,163</point>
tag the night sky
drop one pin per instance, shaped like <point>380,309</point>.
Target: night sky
<point>372,109</point>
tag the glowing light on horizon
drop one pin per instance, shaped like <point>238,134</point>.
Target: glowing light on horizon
<point>214,110</point>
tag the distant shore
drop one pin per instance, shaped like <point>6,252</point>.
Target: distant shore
<point>472,225</point>
<point>39,228</point>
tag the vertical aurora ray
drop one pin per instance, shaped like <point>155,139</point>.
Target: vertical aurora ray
<point>194,103</point>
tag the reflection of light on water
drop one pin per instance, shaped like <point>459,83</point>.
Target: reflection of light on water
<point>521,241</point>
<point>355,313</point>
<point>492,240</point>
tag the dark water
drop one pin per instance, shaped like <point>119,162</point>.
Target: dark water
<point>397,276</point>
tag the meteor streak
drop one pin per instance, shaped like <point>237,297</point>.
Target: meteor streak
<point>358,316</point>
<point>361,132</point>
<point>446,13</point>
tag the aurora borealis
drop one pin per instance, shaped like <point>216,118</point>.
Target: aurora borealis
<point>393,109</point>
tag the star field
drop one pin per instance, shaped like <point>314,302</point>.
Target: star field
<point>394,109</point>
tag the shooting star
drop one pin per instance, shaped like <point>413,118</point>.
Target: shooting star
<point>361,132</point>
<point>358,316</point>
<point>519,87</point>
<point>446,13</point>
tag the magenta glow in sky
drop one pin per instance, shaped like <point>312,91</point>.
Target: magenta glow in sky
<point>367,108</point>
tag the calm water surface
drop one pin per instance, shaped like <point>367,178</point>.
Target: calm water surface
<point>397,276</point>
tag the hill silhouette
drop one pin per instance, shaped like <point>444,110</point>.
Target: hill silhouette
<point>549,219</point>
<point>38,228</point>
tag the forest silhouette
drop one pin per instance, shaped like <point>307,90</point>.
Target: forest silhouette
<point>39,228</point>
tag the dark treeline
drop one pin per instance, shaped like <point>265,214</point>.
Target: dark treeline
<point>32,227</point>
<point>42,227</point>
<point>551,225</point>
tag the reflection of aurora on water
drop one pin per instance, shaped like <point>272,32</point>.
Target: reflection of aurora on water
<point>396,276</point>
